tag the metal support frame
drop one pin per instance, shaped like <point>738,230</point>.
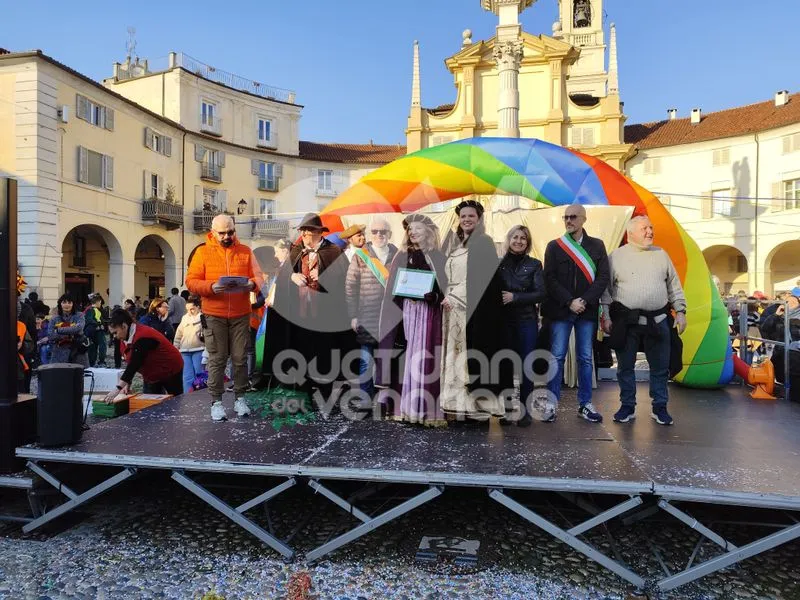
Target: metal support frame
<point>569,537</point>
<point>731,557</point>
<point>236,514</point>
<point>75,499</point>
<point>696,525</point>
<point>338,501</point>
<point>370,523</point>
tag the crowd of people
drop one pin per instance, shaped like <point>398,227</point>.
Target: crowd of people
<point>430,331</point>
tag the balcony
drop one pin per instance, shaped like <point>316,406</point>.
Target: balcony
<point>211,172</point>
<point>211,124</point>
<point>268,184</point>
<point>161,212</point>
<point>266,227</point>
<point>203,218</point>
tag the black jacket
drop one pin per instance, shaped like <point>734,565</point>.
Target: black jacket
<point>523,276</point>
<point>565,282</point>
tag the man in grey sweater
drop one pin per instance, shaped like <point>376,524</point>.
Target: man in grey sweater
<point>644,286</point>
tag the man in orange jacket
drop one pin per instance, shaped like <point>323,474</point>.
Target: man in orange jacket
<point>226,306</point>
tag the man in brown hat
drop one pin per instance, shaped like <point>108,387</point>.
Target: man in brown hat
<point>309,296</point>
<point>356,239</point>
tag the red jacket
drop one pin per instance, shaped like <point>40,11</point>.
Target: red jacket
<point>212,261</point>
<point>151,354</point>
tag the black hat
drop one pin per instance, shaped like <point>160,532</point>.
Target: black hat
<point>312,221</point>
<point>418,218</point>
<point>473,204</point>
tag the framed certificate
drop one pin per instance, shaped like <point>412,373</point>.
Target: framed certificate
<point>413,283</point>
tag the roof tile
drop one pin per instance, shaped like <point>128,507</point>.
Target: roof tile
<point>351,153</point>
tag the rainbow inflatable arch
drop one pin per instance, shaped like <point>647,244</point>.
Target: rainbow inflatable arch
<point>554,176</point>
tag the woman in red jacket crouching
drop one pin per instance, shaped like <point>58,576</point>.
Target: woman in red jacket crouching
<point>148,352</point>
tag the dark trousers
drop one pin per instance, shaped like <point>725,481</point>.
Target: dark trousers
<point>97,349</point>
<point>656,349</point>
<point>172,385</point>
<point>521,338</point>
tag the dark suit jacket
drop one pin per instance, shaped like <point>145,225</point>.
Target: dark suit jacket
<point>565,282</point>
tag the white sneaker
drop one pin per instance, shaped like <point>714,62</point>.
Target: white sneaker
<point>241,408</point>
<point>549,413</point>
<point>218,411</point>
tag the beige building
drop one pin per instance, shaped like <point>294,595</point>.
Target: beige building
<point>118,182</point>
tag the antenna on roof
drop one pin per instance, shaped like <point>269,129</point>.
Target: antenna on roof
<point>131,43</point>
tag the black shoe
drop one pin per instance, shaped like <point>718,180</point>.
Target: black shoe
<point>661,415</point>
<point>625,414</point>
<point>525,421</point>
<point>588,412</point>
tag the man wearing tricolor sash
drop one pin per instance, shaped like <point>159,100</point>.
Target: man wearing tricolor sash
<point>576,275</point>
<point>364,288</point>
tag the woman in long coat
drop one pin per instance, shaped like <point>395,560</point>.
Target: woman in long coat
<point>415,326</point>
<point>473,324</point>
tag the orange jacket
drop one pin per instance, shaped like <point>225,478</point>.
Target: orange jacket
<point>21,332</point>
<point>212,261</point>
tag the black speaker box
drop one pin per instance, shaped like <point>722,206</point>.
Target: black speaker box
<point>17,428</point>
<point>60,408</point>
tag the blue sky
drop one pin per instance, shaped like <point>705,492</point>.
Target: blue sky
<point>350,60</point>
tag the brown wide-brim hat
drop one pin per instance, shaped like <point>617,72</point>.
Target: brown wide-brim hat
<point>313,222</point>
<point>352,230</point>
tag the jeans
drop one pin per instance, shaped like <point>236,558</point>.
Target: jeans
<point>656,349</point>
<point>585,331</point>
<point>365,365</point>
<point>521,338</point>
<point>97,349</point>
<point>227,338</point>
<point>192,367</point>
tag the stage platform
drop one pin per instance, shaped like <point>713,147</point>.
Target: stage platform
<point>724,449</point>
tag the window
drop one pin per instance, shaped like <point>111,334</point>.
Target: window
<point>582,137</point>
<point>153,186</point>
<point>721,157</point>
<point>212,162</point>
<point>438,140</point>
<point>209,121</point>
<point>652,166</point>
<point>78,251</point>
<point>268,208</point>
<point>791,143</point>
<point>324,180</point>
<point>209,199</point>
<point>95,169</point>
<point>791,194</point>
<point>266,177</point>
<point>157,142</point>
<point>94,113</point>
<point>723,204</point>
<point>265,133</point>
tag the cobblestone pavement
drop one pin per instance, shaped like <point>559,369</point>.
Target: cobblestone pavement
<point>152,539</point>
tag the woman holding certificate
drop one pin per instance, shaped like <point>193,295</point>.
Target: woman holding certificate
<point>411,318</point>
<point>473,387</point>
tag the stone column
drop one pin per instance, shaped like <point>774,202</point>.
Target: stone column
<point>508,55</point>
<point>121,281</point>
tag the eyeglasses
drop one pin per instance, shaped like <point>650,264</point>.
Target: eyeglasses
<point>380,231</point>
<point>570,217</point>
<point>229,233</point>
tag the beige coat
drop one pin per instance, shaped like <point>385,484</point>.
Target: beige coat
<point>187,334</point>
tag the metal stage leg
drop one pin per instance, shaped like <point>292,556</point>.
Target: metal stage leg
<point>338,501</point>
<point>730,558</point>
<point>371,523</point>
<point>75,500</point>
<point>235,514</point>
<point>570,539</point>
<point>696,525</point>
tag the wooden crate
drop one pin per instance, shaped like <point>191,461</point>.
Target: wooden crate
<point>142,401</point>
<point>120,406</point>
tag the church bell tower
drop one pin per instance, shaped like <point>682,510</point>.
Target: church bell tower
<point>580,24</point>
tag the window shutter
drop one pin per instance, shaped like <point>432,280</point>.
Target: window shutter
<point>160,187</point>
<point>787,144</point>
<point>221,158</point>
<point>148,137</point>
<point>199,152</point>
<point>734,207</point>
<point>707,207</point>
<point>82,107</point>
<point>198,197</point>
<point>588,137</point>
<point>254,166</point>
<point>577,138</point>
<point>167,146</point>
<point>222,199</point>
<point>273,134</point>
<point>109,118</point>
<point>108,167</point>
<point>83,165</point>
<point>778,201</point>
<point>278,170</point>
<point>146,186</point>
<point>337,176</point>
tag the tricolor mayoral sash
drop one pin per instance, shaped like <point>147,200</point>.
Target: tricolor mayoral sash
<point>582,259</point>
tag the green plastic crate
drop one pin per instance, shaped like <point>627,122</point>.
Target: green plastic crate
<point>115,409</point>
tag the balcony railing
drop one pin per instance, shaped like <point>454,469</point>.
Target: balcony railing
<point>268,184</point>
<point>211,124</point>
<point>266,227</point>
<point>211,172</point>
<point>203,218</point>
<point>156,211</point>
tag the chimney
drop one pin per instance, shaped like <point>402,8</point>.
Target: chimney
<point>782,98</point>
<point>697,114</point>
<point>173,60</point>
<point>672,113</point>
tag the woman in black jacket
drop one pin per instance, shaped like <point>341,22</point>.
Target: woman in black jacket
<point>158,318</point>
<point>522,282</point>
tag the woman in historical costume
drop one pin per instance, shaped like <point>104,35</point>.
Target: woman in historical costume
<point>473,324</point>
<point>65,334</point>
<point>522,281</point>
<point>413,324</point>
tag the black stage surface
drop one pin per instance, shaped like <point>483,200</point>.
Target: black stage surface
<point>724,448</point>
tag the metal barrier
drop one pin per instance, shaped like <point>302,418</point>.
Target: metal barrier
<point>787,339</point>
